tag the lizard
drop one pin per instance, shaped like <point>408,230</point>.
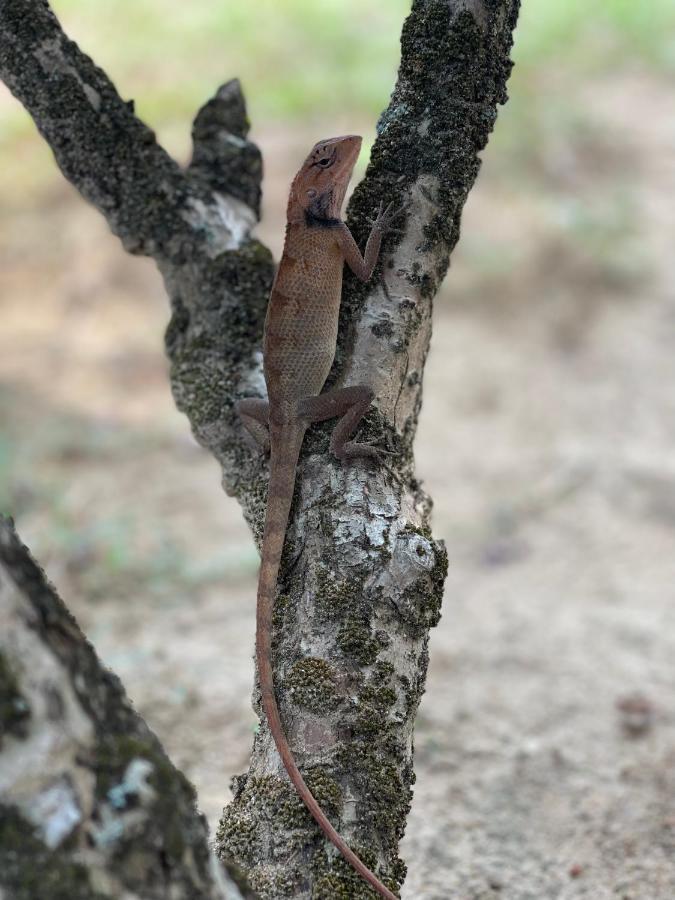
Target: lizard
<point>299,343</point>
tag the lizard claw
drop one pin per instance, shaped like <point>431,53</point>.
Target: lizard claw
<point>364,450</point>
<point>387,215</point>
<point>380,451</point>
<point>378,215</point>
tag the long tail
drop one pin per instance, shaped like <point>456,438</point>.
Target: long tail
<point>280,495</point>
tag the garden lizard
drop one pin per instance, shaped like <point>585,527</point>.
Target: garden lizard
<point>299,344</point>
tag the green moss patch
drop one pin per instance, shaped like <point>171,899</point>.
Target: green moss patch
<point>311,684</point>
<point>356,640</point>
<point>337,880</point>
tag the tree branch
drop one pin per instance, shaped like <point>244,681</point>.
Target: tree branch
<point>222,158</point>
<point>196,224</point>
<point>90,805</point>
<point>453,72</point>
<point>362,577</point>
<point>107,153</point>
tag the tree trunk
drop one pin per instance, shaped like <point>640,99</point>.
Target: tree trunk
<point>362,578</point>
<point>90,805</point>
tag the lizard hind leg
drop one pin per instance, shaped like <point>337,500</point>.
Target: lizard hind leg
<point>350,404</point>
<point>255,415</point>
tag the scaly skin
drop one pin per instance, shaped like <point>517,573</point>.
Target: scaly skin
<point>298,350</point>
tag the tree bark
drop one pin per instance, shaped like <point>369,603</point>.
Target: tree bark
<point>362,578</point>
<point>90,805</point>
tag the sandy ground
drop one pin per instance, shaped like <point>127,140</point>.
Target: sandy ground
<point>545,745</point>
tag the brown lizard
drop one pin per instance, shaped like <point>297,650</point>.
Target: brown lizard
<point>298,349</point>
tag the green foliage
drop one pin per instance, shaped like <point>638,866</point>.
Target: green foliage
<point>287,54</point>
<point>594,36</point>
<point>317,57</point>
<point>307,61</point>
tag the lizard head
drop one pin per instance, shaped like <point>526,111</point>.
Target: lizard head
<point>318,190</point>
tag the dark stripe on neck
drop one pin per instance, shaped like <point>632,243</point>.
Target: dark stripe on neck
<point>314,221</point>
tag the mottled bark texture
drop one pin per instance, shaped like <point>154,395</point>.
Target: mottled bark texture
<point>90,805</point>
<point>362,579</point>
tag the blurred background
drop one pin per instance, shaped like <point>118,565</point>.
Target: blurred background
<point>546,740</point>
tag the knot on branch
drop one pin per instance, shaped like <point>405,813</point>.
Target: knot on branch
<point>222,157</point>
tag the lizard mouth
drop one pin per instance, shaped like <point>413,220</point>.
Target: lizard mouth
<point>348,145</point>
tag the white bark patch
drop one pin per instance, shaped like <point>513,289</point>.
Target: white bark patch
<point>227,222</point>
<point>417,551</point>
<point>477,10</point>
<point>423,127</point>
<point>226,889</point>
<point>53,61</point>
<point>363,490</point>
<point>55,811</point>
<point>253,382</point>
<point>115,818</point>
<point>43,776</point>
<point>134,784</point>
<point>35,770</point>
<point>233,139</point>
<point>92,95</point>
<point>50,56</point>
<point>392,301</point>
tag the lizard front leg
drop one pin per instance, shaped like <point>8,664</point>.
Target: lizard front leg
<point>351,404</point>
<point>363,266</point>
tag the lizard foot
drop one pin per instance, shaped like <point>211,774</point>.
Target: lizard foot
<point>366,450</point>
<point>362,450</point>
<point>385,216</point>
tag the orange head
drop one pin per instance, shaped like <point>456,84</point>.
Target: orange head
<point>318,190</point>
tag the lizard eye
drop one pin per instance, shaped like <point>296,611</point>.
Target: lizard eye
<point>324,162</point>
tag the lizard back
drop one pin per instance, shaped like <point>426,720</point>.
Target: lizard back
<point>302,315</point>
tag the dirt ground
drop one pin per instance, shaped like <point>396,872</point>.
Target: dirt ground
<point>545,745</point>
